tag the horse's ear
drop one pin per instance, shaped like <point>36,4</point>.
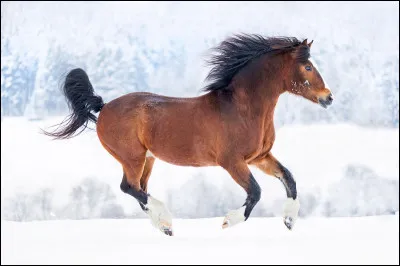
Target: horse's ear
<point>304,42</point>
<point>309,45</point>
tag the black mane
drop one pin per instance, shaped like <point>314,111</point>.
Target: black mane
<point>236,52</point>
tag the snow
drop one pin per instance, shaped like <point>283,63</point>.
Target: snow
<point>349,169</point>
<point>361,240</point>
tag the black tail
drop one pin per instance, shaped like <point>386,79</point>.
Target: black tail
<point>81,100</point>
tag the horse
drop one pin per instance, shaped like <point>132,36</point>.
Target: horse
<point>231,125</point>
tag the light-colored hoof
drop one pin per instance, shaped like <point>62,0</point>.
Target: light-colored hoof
<point>234,217</point>
<point>291,211</point>
<point>288,221</point>
<point>166,228</point>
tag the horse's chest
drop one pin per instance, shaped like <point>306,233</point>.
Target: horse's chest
<point>263,146</point>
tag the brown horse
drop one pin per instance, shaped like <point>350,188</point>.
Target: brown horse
<point>230,126</point>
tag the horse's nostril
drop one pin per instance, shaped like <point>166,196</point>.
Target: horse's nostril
<point>326,101</point>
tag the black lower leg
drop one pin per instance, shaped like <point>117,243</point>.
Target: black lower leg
<point>253,196</point>
<point>138,194</point>
<point>288,181</point>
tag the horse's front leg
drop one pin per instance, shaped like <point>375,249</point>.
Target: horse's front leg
<point>240,172</point>
<point>271,166</point>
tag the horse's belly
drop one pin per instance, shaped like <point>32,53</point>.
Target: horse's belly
<point>182,148</point>
<point>182,158</point>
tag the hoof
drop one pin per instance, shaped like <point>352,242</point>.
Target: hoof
<point>167,231</point>
<point>291,211</point>
<point>234,217</point>
<point>288,221</point>
<point>166,228</point>
<point>225,224</point>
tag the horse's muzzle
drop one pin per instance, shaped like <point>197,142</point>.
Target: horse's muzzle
<point>327,101</point>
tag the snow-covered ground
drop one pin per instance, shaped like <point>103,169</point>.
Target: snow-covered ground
<point>325,160</point>
<point>361,240</point>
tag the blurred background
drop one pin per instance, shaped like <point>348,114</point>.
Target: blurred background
<point>345,159</point>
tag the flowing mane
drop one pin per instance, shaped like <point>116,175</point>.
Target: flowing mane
<point>236,52</point>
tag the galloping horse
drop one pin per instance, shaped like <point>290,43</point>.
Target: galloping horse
<point>231,125</point>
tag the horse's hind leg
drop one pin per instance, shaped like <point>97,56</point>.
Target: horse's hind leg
<point>137,167</point>
<point>242,175</point>
<point>148,167</point>
<point>157,211</point>
<point>142,198</point>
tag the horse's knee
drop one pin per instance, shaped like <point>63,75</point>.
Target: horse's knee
<point>254,190</point>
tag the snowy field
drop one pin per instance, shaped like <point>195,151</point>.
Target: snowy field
<point>56,195</point>
<point>361,240</point>
<point>31,161</point>
<point>325,160</point>
<point>60,165</point>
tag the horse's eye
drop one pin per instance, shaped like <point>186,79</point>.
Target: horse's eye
<point>308,68</point>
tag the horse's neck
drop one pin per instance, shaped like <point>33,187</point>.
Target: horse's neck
<point>260,92</point>
<point>258,103</point>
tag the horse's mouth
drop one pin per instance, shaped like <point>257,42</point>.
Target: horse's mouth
<point>326,102</point>
<point>323,104</point>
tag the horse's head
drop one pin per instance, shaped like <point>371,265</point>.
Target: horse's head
<point>306,79</point>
